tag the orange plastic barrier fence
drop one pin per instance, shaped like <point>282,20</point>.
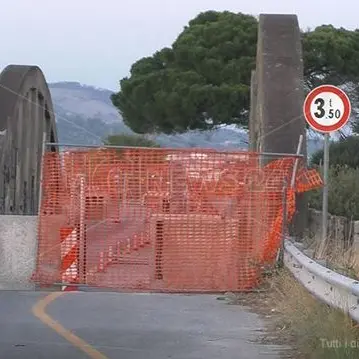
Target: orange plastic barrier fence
<point>164,220</point>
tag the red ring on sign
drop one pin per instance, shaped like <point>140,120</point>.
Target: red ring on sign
<point>312,121</point>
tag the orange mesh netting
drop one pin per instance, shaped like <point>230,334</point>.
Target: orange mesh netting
<point>160,219</point>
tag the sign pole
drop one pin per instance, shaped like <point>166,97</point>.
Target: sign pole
<point>325,193</point>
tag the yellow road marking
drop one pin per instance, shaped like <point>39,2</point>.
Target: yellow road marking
<point>39,311</point>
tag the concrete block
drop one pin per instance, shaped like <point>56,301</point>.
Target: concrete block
<point>356,236</point>
<point>356,228</point>
<point>340,229</point>
<point>355,244</point>
<point>299,245</point>
<point>309,253</point>
<point>322,262</point>
<point>18,249</point>
<point>314,222</point>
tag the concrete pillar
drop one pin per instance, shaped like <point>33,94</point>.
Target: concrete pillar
<point>253,125</point>
<point>280,95</point>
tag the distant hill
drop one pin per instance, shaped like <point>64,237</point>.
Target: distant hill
<point>85,115</point>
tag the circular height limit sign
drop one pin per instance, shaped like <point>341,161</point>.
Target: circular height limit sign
<point>327,108</point>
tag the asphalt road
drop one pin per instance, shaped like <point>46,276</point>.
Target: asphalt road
<point>130,326</point>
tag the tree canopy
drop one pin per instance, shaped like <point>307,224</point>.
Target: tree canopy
<point>330,56</point>
<point>129,141</point>
<point>203,80</point>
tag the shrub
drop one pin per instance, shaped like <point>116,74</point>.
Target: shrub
<point>342,153</point>
<point>343,189</point>
<point>130,141</point>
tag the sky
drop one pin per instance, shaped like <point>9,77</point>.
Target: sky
<point>96,42</point>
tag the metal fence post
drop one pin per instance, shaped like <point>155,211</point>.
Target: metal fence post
<point>295,167</point>
<point>284,224</point>
<point>82,234</point>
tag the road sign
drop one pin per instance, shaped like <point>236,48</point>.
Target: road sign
<point>327,108</point>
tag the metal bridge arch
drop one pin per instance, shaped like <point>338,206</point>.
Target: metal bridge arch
<point>26,113</point>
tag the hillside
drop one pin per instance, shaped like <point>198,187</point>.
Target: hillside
<point>85,115</point>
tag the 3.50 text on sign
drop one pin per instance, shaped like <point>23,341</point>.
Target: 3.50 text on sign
<point>327,108</point>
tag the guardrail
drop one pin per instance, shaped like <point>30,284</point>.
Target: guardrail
<point>328,286</point>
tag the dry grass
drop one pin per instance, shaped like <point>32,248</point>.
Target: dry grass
<point>338,256</point>
<point>296,319</point>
